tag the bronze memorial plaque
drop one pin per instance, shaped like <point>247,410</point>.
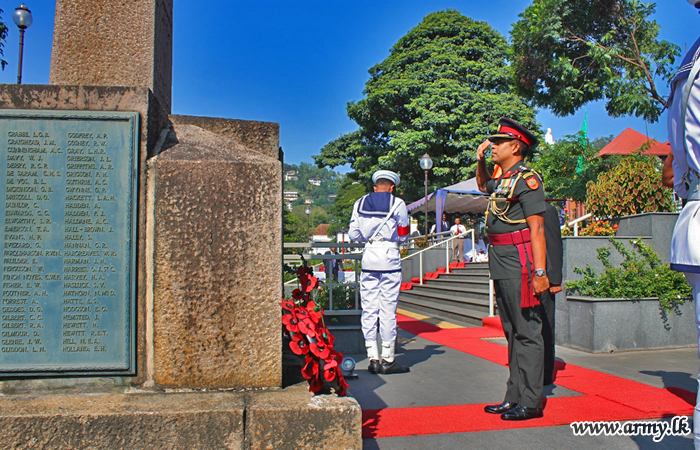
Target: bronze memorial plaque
<point>69,184</point>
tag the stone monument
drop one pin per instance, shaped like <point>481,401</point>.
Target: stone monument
<point>133,314</point>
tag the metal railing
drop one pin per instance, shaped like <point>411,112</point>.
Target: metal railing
<point>448,248</point>
<point>330,284</point>
<point>575,222</point>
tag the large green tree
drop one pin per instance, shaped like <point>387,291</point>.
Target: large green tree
<point>569,53</point>
<point>568,165</point>
<point>442,89</point>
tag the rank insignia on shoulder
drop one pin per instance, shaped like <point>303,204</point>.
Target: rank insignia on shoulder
<point>532,182</point>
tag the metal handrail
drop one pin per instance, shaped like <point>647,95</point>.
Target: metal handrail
<point>575,222</point>
<point>492,296</point>
<point>447,252</point>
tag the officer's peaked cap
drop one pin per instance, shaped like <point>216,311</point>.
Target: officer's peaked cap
<point>387,175</point>
<point>510,129</point>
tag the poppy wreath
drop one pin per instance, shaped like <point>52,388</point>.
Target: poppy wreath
<point>303,321</point>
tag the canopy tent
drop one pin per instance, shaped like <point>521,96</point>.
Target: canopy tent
<point>464,197</point>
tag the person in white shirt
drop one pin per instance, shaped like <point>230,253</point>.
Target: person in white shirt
<point>458,244</point>
<point>684,136</point>
<point>380,220</point>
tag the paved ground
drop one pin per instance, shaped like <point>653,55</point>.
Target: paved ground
<point>442,376</point>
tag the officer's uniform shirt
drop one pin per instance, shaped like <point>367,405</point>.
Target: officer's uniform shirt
<point>382,255</point>
<point>504,261</point>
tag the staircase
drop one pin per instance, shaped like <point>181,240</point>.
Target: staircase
<point>461,296</point>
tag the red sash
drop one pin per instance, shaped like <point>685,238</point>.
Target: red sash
<point>521,240</point>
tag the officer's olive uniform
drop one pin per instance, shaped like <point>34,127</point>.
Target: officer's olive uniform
<point>522,325</point>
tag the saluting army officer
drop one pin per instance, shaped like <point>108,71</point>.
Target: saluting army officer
<point>380,220</point>
<point>517,262</point>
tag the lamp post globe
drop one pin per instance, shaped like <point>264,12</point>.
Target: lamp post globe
<point>426,163</point>
<point>22,17</point>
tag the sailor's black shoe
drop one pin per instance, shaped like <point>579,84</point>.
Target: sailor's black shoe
<point>393,367</point>
<point>374,366</point>
<point>500,408</point>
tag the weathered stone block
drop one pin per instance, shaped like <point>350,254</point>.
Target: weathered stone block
<point>115,44</point>
<point>263,137</point>
<point>218,246</point>
<point>295,419</point>
<point>108,421</point>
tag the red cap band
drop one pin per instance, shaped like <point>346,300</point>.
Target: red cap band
<point>516,134</point>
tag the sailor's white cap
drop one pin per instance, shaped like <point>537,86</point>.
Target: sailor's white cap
<point>387,175</point>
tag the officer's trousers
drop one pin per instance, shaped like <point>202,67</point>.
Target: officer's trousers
<point>523,330</point>
<point>380,298</point>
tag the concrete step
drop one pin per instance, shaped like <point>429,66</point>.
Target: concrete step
<point>437,302</point>
<point>459,293</point>
<point>459,314</point>
<point>468,282</point>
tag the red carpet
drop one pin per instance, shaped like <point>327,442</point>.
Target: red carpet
<point>604,397</point>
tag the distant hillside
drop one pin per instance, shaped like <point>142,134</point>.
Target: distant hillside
<point>329,184</point>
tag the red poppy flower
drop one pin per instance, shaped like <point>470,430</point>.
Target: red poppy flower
<point>311,367</point>
<point>316,385</point>
<point>297,294</point>
<point>308,283</point>
<point>299,345</point>
<point>315,312</point>
<point>324,336</point>
<point>302,270</point>
<point>307,327</point>
<point>288,305</point>
<point>330,370</point>
<point>290,322</point>
<point>320,349</point>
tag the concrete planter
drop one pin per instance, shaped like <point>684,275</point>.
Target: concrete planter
<point>614,324</point>
<point>599,325</point>
<point>347,330</point>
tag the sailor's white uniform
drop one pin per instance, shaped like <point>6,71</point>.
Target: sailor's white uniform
<point>684,136</point>
<point>380,280</point>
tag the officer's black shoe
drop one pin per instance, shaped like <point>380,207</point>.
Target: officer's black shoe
<point>374,366</point>
<point>393,367</point>
<point>522,413</point>
<point>500,408</point>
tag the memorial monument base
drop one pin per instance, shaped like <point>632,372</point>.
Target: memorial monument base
<point>276,418</point>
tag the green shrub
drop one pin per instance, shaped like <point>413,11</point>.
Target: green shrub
<point>631,187</point>
<point>642,274</point>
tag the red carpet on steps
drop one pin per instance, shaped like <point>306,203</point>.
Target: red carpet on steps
<point>604,397</point>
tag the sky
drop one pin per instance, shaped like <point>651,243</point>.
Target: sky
<point>299,63</point>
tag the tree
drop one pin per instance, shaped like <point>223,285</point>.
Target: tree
<point>3,37</point>
<point>441,91</point>
<point>567,166</point>
<point>348,194</point>
<point>569,53</point>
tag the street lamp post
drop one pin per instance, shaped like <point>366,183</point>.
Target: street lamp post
<point>308,217</point>
<point>22,18</point>
<point>426,164</point>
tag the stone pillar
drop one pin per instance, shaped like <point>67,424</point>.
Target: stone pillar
<point>113,43</point>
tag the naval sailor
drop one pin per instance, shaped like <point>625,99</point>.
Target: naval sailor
<point>381,221</point>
